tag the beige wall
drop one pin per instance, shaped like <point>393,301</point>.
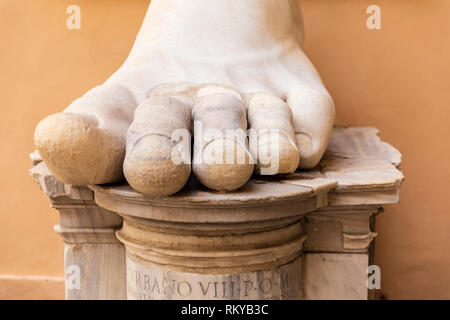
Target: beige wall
<point>396,79</point>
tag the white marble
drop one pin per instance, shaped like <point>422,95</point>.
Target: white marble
<point>336,276</point>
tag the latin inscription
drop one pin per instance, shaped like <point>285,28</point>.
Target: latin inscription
<point>151,283</point>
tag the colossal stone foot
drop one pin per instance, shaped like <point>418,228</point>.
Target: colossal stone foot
<point>238,47</point>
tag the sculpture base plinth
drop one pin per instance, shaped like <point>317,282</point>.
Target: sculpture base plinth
<point>308,235</point>
<point>232,246</point>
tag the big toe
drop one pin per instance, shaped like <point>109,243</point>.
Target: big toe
<point>76,151</point>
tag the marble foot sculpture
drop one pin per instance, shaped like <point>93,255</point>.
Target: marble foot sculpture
<point>227,65</point>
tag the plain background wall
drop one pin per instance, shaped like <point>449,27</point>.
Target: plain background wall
<point>396,79</point>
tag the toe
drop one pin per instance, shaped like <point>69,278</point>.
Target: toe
<point>76,151</point>
<point>157,161</point>
<point>313,114</point>
<point>272,135</point>
<point>149,169</point>
<point>222,161</point>
<point>226,165</point>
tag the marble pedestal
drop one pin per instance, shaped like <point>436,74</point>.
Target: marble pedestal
<point>308,235</point>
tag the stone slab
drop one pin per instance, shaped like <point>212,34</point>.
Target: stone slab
<point>336,276</point>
